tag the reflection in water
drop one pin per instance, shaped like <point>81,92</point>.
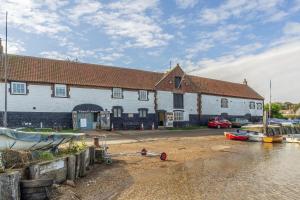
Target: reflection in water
<point>256,171</point>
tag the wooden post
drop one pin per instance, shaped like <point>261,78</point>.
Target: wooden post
<point>77,168</point>
<point>1,163</point>
<point>34,172</point>
<point>9,185</point>
<point>92,155</point>
<point>71,172</point>
<point>82,169</point>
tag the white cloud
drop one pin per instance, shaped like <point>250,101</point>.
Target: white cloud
<point>178,22</point>
<point>290,33</point>
<point>279,64</point>
<point>33,16</point>
<point>135,21</point>
<point>186,3</point>
<point>292,29</point>
<point>14,46</point>
<point>223,35</point>
<point>246,49</point>
<point>265,9</point>
<point>83,8</point>
<point>278,16</point>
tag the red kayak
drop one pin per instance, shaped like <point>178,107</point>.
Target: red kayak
<point>236,136</point>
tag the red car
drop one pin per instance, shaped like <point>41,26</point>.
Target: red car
<point>219,123</point>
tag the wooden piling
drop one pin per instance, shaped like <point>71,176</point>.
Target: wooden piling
<point>82,169</point>
<point>71,172</point>
<point>9,186</point>
<point>92,155</point>
<point>77,168</point>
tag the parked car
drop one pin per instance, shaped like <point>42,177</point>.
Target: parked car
<point>239,122</point>
<point>219,123</point>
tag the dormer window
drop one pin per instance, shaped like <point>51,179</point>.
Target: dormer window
<point>177,81</point>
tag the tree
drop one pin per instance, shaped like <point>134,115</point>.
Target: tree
<point>275,110</point>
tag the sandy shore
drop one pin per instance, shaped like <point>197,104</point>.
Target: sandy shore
<point>136,177</point>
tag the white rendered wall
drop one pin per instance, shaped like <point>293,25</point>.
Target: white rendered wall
<point>211,105</point>
<point>39,96</point>
<point>165,102</point>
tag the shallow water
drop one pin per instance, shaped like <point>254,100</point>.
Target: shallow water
<point>252,171</point>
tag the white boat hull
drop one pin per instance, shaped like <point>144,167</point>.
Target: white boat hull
<point>255,137</point>
<point>10,143</point>
<point>19,140</point>
<point>292,139</point>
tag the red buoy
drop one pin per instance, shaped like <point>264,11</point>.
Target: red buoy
<point>163,156</point>
<point>144,152</point>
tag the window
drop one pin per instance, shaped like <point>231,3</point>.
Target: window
<point>143,112</point>
<point>117,93</point>
<point>259,106</point>
<point>117,112</point>
<point>18,88</point>
<point>177,81</point>
<point>178,115</point>
<point>224,103</point>
<point>60,90</point>
<point>143,95</point>
<point>178,100</point>
<point>252,105</point>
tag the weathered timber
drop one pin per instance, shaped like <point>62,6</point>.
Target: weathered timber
<point>9,186</point>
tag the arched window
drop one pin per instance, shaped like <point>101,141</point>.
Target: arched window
<point>224,103</point>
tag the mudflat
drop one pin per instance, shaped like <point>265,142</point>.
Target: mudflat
<point>204,167</point>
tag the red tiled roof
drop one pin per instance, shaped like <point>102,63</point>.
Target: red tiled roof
<point>32,69</point>
<point>224,88</point>
<point>43,70</point>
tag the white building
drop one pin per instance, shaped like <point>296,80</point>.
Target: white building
<point>45,92</point>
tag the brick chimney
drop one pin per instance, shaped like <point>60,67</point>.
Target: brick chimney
<point>1,47</point>
<point>245,82</point>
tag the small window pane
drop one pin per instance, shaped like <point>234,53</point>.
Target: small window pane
<point>143,95</point>
<point>252,105</point>
<point>259,106</point>
<point>117,112</point>
<point>178,115</point>
<point>224,103</point>
<point>178,101</point>
<point>117,93</point>
<point>143,113</point>
<point>18,88</point>
<point>177,82</point>
<point>60,90</point>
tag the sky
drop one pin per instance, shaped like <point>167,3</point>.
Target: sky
<point>229,40</point>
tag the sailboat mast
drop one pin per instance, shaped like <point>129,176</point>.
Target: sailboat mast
<point>270,105</point>
<point>5,76</point>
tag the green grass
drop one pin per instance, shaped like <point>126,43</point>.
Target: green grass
<point>187,128</point>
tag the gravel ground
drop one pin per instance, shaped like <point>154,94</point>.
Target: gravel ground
<point>137,177</point>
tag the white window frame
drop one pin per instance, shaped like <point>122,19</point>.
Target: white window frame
<point>252,107</point>
<point>259,106</point>
<point>143,113</point>
<point>143,95</point>
<point>117,112</point>
<point>21,90</point>
<point>178,115</point>
<point>117,93</point>
<point>60,86</point>
<point>224,103</point>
